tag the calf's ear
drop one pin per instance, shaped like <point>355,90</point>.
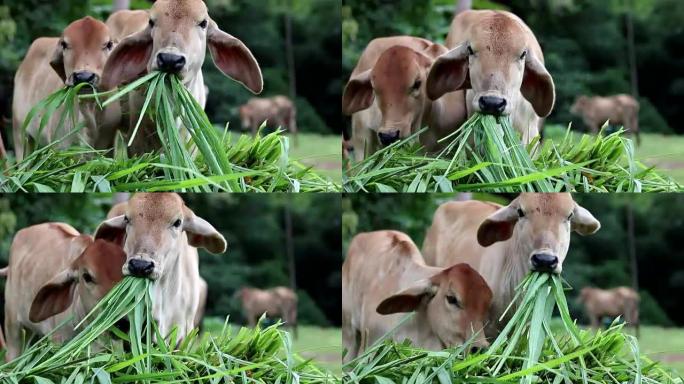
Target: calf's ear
<point>57,61</point>
<point>54,297</point>
<point>358,93</point>
<point>498,226</point>
<point>583,222</point>
<point>449,73</point>
<point>234,59</point>
<point>409,299</point>
<point>129,59</point>
<point>537,86</point>
<point>112,229</point>
<point>201,234</point>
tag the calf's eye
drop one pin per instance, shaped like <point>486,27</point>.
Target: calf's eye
<point>151,23</point>
<point>109,45</point>
<point>571,215</point>
<point>453,301</point>
<point>522,56</point>
<point>470,50</point>
<point>204,24</point>
<point>521,213</point>
<point>416,85</point>
<point>177,223</point>
<point>87,277</point>
<point>63,44</point>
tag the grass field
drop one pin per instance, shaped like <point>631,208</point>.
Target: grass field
<point>666,153</point>
<point>322,152</point>
<point>322,345</point>
<point>663,344</point>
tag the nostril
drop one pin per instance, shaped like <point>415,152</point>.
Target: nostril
<point>476,349</point>
<point>544,262</point>
<point>388,138</point>
<point>492,104</point>
<point>169,62</point>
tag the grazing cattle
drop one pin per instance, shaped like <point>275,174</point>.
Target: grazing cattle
<point>384,275</point>
<point>78,56</point>
<point>497,59</point>
<point>55,272</point>
<point>275,302</point>
<point>505,243</point>
<point>277,111</point>
<point>159,235</point>
<point>386,96</point>
<point>618,109</point>
<point>175,40</point>
<point>620,301</point>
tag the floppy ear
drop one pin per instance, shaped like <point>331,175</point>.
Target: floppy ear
<point>201,234</point>
<point>234,59</point>
<point>57,61</point>
<point>537,86</point>
<point>54,297</point>
<point>358,94</point>
<point>128,60</point>
<point>583,222</point>
<point>409,299</point>
<point>498,226</point>
<point>449,73</point>
<point>113,230</point>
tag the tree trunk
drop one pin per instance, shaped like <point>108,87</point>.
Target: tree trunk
<point>631,50</point>
<point>632,256</point>
<point>463,5</point>
<point>118,5</point>
<point>289,245</point>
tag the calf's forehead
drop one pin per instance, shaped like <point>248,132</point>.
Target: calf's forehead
<point>547,203</point>
<point>395,66</point>
<point>103,258</point>
<point>86,31</point>
<point>179,10</point>
<point>470,286</point>
<point>151,207</point>
<point>498,34</point>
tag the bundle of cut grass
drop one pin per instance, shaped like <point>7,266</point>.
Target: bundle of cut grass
<point>250,356</point>
<point>203,162</point>
<point>528,350</point>
<point>485,154</point>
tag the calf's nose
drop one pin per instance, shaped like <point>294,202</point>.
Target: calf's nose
<point>492,105</point>
<point>170,62</point>
<point>84,77</point>
<point>544,262</point>
<point>388,138</point>
<point>140,267</point>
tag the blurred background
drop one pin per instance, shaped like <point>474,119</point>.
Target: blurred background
<point>296,42</point>
<point>602,260</point>
<point>590,48</point>
<point>260,231</point>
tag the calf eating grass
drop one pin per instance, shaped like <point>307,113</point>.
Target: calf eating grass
<point>77,57</point>
<point>159,235</point>
<point>620,301</point>
<point>497,59</point>
<point>55,272</point>
<point>618,109</point>
<point>384,275</point>
<point>386,96</point>
<point>532,233</point>
<point>175,40</point>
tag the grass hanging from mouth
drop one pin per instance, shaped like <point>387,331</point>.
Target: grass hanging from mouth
<point>485,154</point>
<point>532,348</point>
<point>202,162</point>
<point>255,356</point>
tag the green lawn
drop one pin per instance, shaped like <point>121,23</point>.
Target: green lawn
<point>322,152</point>
<point>665,152</point>
<point>664,344</point>
<point>322,345</point>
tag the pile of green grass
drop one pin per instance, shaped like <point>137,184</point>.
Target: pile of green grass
<point>485,154</point>
<point>206,162</point>
<point>258,356</point>
<point>526,351</point>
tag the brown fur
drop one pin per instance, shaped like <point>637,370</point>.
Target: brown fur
<point>384,274</point>
<point>45,280</point>
<point>278,111</point>
<point>620,301</point>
